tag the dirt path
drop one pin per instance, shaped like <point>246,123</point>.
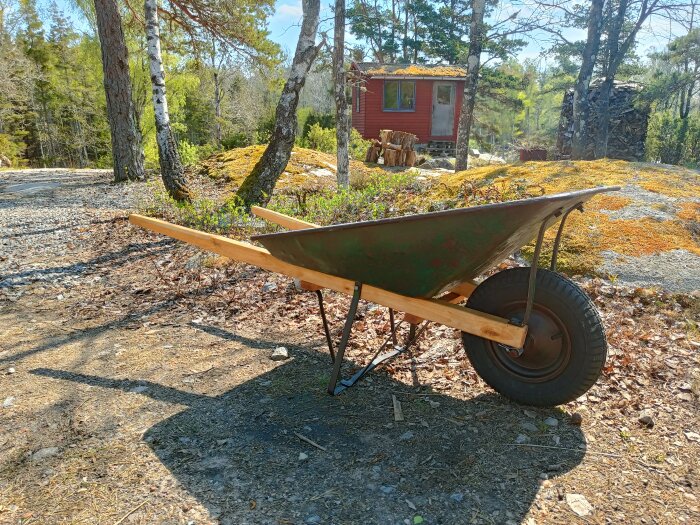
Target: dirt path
<point>136,385</point>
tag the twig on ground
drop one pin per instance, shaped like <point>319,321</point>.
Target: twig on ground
<point>137,507</point>
<point>310,441</point>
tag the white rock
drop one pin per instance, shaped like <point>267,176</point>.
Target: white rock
<point>303,457</point>
<point>551,422</point>
<point>280,354</point>
<point>579,504</point>
<point>9,401</point>
<point>522,438</point>
<point>10,370</point>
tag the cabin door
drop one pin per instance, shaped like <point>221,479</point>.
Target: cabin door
<point>443,109</point>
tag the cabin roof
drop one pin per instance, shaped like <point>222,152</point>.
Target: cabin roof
<point>374,69</point>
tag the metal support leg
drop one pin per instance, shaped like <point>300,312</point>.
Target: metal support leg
<point>344,339</point>
<point>533,269</point>
<point>392,324</point>
<point>557,240</point>
<point>326,329</point>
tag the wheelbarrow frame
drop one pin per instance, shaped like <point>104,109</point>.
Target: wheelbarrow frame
<point>511,333</point>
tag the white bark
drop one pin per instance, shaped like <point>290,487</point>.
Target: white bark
<point>342,134</point>
<point>466,116</point>
<point>171,168</point>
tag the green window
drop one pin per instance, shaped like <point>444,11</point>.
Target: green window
<point>399,95</point>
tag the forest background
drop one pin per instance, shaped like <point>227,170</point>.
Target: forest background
<point>222,95</point>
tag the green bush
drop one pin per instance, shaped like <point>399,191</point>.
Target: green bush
<point>11,148</point>
<point>237,140</point>
<point>323,139</point>
<point>672,140</point>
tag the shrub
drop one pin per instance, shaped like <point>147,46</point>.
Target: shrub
<point>672,140</point>
<point>11,148</point>
<point>237,140</point>
<point>323,139</point>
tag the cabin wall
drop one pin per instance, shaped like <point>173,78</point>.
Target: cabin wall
<point>358,117</point>
<point>373,118</point>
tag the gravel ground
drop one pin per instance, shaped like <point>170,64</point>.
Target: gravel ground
<point>134,389</point>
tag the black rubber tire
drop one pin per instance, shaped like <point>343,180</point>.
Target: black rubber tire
<point>565,350</point>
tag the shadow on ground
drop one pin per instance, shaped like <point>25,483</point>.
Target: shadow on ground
<point>451,461</point>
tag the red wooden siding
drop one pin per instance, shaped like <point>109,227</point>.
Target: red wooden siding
<point>371,117</point>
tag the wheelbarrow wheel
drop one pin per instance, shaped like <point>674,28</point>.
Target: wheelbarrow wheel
<point>565,348</point>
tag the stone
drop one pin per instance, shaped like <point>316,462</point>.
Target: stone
<point>139,389</point>
<point>269,287</point>
<point>551,422</point>
<point>311,520</point>
<point>522,438</point>
<point>280,354</point>
<point>457,496</point>
<point>303,457</point>
<point>576,419</point>
<point>387,489</point>
<point>646,419</point>
<point>579,504</point>
<point>10,370</point>
<point>406,436</point>
<point>44,453</point>
<point>445,164</point>
<point>9,401</point>
<point>526,425</point>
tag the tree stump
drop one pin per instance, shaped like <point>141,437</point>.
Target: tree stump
<point>390,157</point>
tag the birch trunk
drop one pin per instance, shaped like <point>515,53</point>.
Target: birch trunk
<point>466,116</point>
<point>342,131</point>
<point>171,170</point>
<point>257,187</point>
<point>580,141</point>
<point>126,137</point>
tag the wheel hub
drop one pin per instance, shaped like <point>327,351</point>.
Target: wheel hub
<point>546,350</point>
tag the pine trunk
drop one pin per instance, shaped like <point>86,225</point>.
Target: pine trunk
<point>126,137</point>
<point>171,169</point>
<point>466,117</point>
<point>603,110</point>
<point>258,186</point>
<point>582,107</point>
<point>341,102</point>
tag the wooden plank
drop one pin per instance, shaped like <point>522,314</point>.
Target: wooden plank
<point>282,219</point>
<point>471,321</point>
<point>450,298</point>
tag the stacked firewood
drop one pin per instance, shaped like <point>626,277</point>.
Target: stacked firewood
<point>395,147</point>
<point>627,127</point>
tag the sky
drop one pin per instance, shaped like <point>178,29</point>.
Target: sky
<point>284,25</point>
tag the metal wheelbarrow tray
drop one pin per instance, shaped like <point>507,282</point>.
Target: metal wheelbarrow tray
<point>532,334</point>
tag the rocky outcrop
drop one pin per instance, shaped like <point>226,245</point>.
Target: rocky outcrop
<point>628,122</point>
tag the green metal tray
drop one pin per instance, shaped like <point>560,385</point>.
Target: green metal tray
<point>422,255</point>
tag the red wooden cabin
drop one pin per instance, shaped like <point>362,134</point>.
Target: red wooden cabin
<point>420,99</point>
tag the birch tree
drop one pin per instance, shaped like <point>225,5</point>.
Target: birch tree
<point>341,102</point>
<point>127,151</point>
<point>171,170</point>
<point>582,112</point>
<point>257,187</point>
<point>466,116</point>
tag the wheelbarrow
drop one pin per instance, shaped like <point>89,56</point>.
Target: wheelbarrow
<point>531,333</point>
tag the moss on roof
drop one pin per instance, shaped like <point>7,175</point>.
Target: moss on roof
<point>417,70</point>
